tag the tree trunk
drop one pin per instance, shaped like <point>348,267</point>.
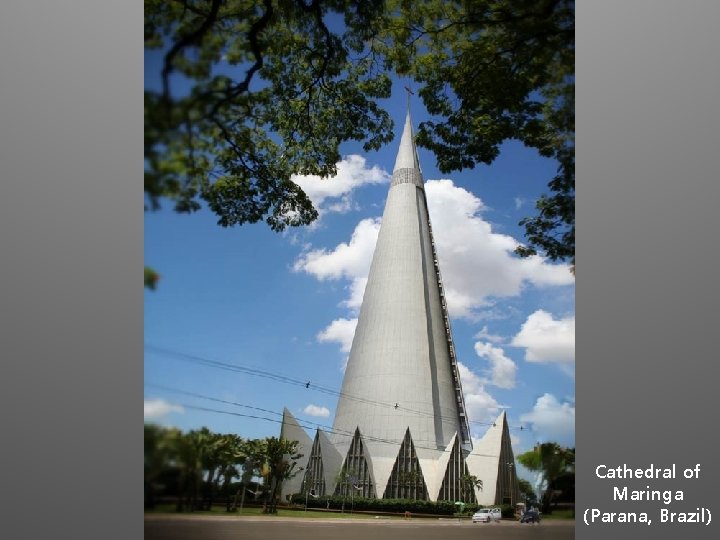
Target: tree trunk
<point>182,494</point>
<point>242,497</point>
<point>546,508</point>
<point>210,490</point>
<point>273,502</point>
<point>196,492</point>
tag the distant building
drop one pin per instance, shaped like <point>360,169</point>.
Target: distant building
<point>400,428</point>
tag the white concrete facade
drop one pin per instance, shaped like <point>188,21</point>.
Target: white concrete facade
<point>399,362</point>
<point>290,430</point>
<point>492,460</point>
<point>399,354</point>
<point>402,372</point>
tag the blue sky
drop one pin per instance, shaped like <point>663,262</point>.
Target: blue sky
<point>285,303</point>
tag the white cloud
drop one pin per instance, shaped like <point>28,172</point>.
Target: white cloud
<point>155,409</point>
<point>502,369</point>
<point>348,260</point>
<point>471,382</point>
<point>552,421</point>
<point>467,248</point>
<point>477,265</point>
<point>357,290</point>
<point>480,405</point>
<point>352,172</point>
<point>339,331</point>
<point>315,410</point>
<point>486,335</point>
<point>546,339</point>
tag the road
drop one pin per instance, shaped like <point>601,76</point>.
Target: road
<point>162,527</point>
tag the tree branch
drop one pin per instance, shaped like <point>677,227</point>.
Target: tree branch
<point>253,34</point>
<point>186,41</point>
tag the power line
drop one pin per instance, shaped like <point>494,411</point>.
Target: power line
<point>194,394</point>
<point>310,425</point>
<point>239,368</point>
<point>341,433</point>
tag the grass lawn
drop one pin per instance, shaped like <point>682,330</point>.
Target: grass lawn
<point>255,511</point>
<point>565,513</point>
<point>299,512</point>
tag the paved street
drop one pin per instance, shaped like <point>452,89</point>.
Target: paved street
<point>159,527</point>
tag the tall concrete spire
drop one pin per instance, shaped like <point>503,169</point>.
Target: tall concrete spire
<point>401,373</point>
<point>400,429</point>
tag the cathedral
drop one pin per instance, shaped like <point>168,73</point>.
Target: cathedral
<point>401,428</point>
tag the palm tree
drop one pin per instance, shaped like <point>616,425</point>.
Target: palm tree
<point>280,459</point>
<point>191,449</point>
<point>250,456</point>
<point>158,456</point>
<point>230,455</point>
<point>222,454</point>
<point>468,483</point>
<point>211,463</point>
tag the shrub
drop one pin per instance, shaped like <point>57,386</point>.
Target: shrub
<point>445,508</point>
<point>507,511</point>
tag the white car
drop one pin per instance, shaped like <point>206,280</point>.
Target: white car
<point>486,515</point>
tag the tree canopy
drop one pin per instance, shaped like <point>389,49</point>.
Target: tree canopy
<point>526,489</point>
<point>554,462</point>
<point>191,466</point>
<point>490,71</point>
<point>273,91</point>
<point>252,92</point>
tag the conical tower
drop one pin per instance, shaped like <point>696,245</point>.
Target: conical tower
<point>402,375</point>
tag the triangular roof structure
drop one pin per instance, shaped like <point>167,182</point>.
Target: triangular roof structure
<point>290,430</point>
<point>436,469</point>
<point>332,460</point>
<point>358,466</point>
<point>406,479</point>
<point>493,462</point>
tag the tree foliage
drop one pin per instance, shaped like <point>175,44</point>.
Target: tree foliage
<point>490,71</point>
<point>468,483</point>
<point>554,462</point>
<point>253,92</point>
<point>199,460</point>
<point>151,278</point>
<point>526,489</point>
<point>279,458</point>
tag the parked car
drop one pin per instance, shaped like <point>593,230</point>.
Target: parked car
<point>485,515</point>
<point>530,516</point>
